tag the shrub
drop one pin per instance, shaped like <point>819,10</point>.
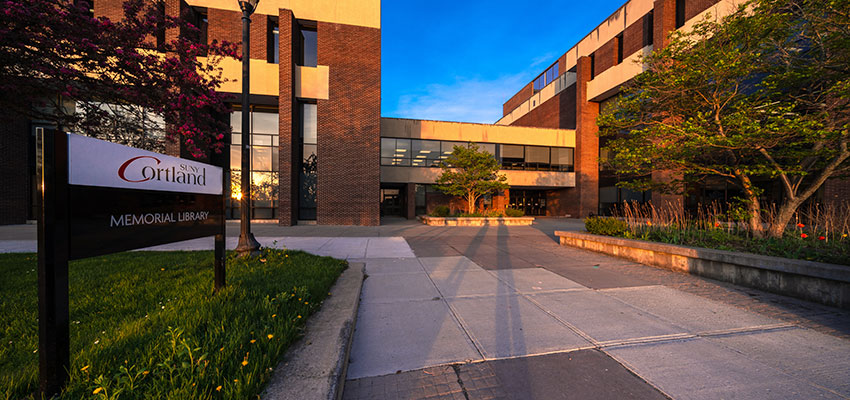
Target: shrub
<point>606,226</point>
<point>513,212</point>
<point>441,211</point>
<point>495,213</point>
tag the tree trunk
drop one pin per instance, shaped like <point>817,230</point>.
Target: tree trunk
<point>780,222</point>
<point>753,206</point>
<point>470,200</point>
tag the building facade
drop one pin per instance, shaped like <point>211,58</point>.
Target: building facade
<point>321,152</point>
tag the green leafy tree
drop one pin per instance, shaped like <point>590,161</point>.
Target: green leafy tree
<point>760,96</point>
<point>470,173</point>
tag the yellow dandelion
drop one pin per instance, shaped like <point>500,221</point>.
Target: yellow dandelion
<point>84,368</point>
<point>299,299</point>
<point>270,336</point>
<point>253,341</point>
<point>299,316</point>
<point>274,315</point>
<point>844,235</point>
<point>292,295</point>
<point>244,363</point>
<point>286,255</point>
<point>218,388</point>
<point>162,269</point>
<point>98,390</point>
<point>306,302</point>
<point>221,349</point>
<point>236,380</point>
<point>145,372</point>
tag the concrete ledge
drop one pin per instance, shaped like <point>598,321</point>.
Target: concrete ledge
<point>315,366</point>
<point>476,221</point>
<point>819,282</point>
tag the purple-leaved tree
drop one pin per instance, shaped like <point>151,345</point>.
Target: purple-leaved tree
<point>135,81</point>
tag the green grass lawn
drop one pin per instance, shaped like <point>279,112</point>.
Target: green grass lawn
<point>146,325</point>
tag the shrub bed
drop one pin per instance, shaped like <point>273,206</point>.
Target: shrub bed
<point>146,325</point>
<point>443,211</point>
<point>801,244</point>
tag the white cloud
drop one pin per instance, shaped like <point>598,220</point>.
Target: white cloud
<point>467,100</point>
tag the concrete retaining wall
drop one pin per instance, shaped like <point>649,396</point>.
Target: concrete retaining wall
<point>819,282</point>
<point>476,221</point>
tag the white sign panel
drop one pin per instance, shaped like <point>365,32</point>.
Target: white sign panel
<point>94,162</point>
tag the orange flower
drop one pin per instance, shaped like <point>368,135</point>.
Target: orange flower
<point>244,363</point>
<point>801,226</point>
<point>804,236</point>
<point>821,238</point>
<point>218,389</point>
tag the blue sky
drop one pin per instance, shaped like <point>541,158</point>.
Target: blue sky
<point>461,60</point>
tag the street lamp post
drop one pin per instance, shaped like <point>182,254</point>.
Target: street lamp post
<point>248,245</point>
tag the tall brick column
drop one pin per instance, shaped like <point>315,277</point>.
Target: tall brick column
<point>664,19</point>
<point>289,152</point>
<point>665,22</point>
<point>587,143</point>
<point>349,126</point>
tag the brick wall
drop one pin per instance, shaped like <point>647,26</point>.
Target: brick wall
<point>606,56</point>
<point>562,202</point>
<point>836,191</point>
<point>664,21</point>
<point>112,9</point>
<point>14,150</point>
<point>289,152</point>
<point>557,112</point>
<point>694,7</point>
<point>587,144</point>
<point>227,25</point>
<point>633,38</point>
<point>517,99</point>
<point>349,126</point>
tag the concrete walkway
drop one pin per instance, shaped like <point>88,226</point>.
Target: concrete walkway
<point>505,312</point>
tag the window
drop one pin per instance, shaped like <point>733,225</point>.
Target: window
<point>546,77</point>
<point>513,156</point>
<point>264,163</point>
<point>309,48</point>
<point>620,48</point>
<point>429,153</point>
<point>537,158</point>
<point>648,29</point>
<point>562,159</point>
<point>308,178</point>
<point>680,13</point>
<point>274,42</point>
<point>592,65</point>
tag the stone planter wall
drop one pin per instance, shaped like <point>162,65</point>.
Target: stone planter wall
<point>476,221</point>
<point>819,282</point>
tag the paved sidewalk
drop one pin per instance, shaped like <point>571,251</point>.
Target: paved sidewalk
<point>506,312</point>
<point>425,322</point>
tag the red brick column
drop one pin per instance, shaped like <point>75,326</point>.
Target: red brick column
<point>289,152</point>
<point>587,144</point>
<point>349,126</point>
<point>410,200</point>
<point>665,22</point>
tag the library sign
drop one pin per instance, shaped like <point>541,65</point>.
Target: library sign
<point>99,198</point>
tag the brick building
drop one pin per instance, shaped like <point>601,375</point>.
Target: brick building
<point>569,93</point>
<point>321,153</point>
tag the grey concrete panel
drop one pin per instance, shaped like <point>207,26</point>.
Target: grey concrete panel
<point>808,355</point>
<point>535,280</point>
<point>458,263</point>
<point>603,318</point>
<point>388,288</point>
<point>700,369</point>
<point>596,276</point>
<point>406,336</point>
<point>388,247</point>
<point>583,374</point>
<point>507,326</point>
<point>345,247</point>
<point>392,265</point>
<point>694,313</point>
<point>469,282</point>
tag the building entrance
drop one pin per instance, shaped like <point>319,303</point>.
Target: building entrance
<point>391,202</point>
<point>533,202</point>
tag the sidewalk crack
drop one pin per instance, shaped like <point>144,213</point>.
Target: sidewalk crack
<point>456,368</point>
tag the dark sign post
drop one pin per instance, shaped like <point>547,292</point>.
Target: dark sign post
<point>100,198</point>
